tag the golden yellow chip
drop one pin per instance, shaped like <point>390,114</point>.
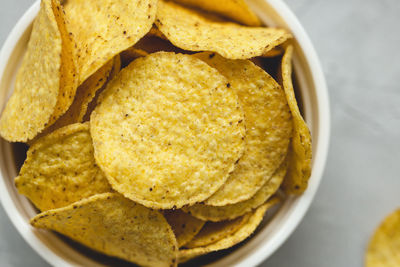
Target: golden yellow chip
<point>229,212</point>
<point>104,28</point>
<point>300,154</point>
<point>84,95</point>
<point>115,226</point>
<point>189,30</point>
<point>45,83</point>
<point>68,72</point>
<point>384,247</point>
<point>167,130</point>
<point>116,67</point>
<point>237,10</point>
<point>241,234</point>
<point>215,231</point>
<point>268,128</point>
<point>60,169</point>
<point>185,226</point>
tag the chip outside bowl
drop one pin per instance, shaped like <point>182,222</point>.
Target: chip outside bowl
<point>270,237</point>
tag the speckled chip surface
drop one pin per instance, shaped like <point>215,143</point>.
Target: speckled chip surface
<point>115,226</point>
<point>189,30</point>
<point>44,86</point>
<point>104,28</point>
<point>60,169</point>
<point>168,130</point>
<point>268,128</point>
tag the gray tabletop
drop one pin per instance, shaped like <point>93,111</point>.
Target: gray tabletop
<point>357,41</point>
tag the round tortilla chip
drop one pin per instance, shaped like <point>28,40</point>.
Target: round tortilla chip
<point>44,84</point>
<point>115,226</point>
<point>241,234</point>
<point>185,226</point>
<point>104,28</point>
<point>268,128</point>
<point>300,152</point>
<point>60,169</point>
<point>167,131</point>
<point>215,231</point>
<point>189,30</point>
<point>237,10</point>
<point>384,247</point>
<point>232,211</point>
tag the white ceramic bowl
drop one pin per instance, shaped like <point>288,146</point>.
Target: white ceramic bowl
<point>311,85</point>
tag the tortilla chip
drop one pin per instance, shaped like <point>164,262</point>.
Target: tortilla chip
<point>384,247</point>
<point>104,28</point>
<point>166,143</point>
<point>189,30</point>
<point>43,84</point>
<point>241,234</point>
<point>215,231</point>
<point>236,10</point>
<point>299,171</point>
<point>268,128</point>
<point>60,169</point>
<point>84,95</point>
<point>185,226</point>
<point>232,211</point>
<point>115,226</point>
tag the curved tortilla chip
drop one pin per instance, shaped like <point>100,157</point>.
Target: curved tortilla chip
<point>167,142</point>
<point>104,28</point>
<point>189,30</point>
<point>215,231</point>
<point>300,153</point>
<point>268,128</point>
<point>185,226</point>
<point>115,226</point>
<point>384,247</point>
<point>241,234</point>
<point>237,10</point>
<point>84,95</point>
<point>232,211</point>
<point>45,84</point>
<point>60,169</point>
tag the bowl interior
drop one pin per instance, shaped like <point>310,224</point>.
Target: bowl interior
<point>60,251</point>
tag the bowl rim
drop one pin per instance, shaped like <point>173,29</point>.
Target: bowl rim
<point>302,203</point>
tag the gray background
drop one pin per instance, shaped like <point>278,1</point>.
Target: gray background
<point>357,41</point>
